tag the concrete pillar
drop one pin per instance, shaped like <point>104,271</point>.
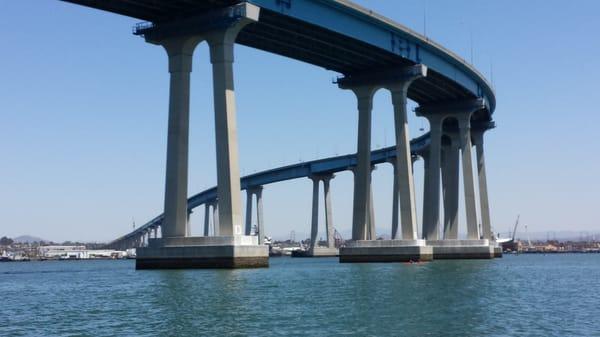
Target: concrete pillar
<point>450,182</point>
<point>206,218</point>
<point>404,187</point>
<point>221,45</point>
<point>260,231</point>
<point>314,225</point>
<point>216,219</point>
<point>180,51</point>
<point>260,226</point>
<point>395,198</point>
<point>464,125</point>
<point>483,191</point>
<point>371,234</point>
<point>413,159</point>
<point>362,172</point>
<point>395,206</point>
<point>431,197</point>
<point>328,211</point>
<point>249,194</point>
<point>425,156</point>
<point>188,231</point>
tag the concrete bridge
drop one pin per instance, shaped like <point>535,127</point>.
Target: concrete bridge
<point>371,53</point>
<point>318,170</point>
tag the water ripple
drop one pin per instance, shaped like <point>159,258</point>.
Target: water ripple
<point>554,295</point>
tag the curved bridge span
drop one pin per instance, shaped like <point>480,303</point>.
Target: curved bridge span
<point>370,52</point>
<point>307,169</point>
<point>333,34</point>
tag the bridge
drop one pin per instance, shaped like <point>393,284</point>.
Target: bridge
<point>318,170</point>
<point>370,52</point>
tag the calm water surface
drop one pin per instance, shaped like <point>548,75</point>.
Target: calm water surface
<point>527,295</point>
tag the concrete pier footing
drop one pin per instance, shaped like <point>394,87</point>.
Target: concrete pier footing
<point>386,251</point>
<point>317,252</point>
<point>497,251</point>
<point>461,249</point>
<point>203,252</point>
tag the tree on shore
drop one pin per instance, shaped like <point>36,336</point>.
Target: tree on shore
<point>4,241</point>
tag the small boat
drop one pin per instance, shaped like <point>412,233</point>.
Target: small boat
<point>508,244</point>
<point>4,257</point>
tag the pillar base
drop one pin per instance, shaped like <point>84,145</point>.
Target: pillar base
<point>386,251</point>
<point>317,252</point>
<point>203,252</point>
<point>497,251</point>
<point>461,249</point>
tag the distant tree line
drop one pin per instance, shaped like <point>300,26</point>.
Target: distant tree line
<point>4,241</point>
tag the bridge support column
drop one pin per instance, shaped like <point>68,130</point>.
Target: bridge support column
<point>206,218</point>
<point>486,224</point>
<point>180,51</point>
<point>314,249</point>
<point>314,224</point>
<point>395,206</point>
<point>188,230</point>
<point>228,175</point>
<point>461,112</point>
<point>260,226</point>
<point>450,182</point>
<point>249,196</point>
<point>464,125</point>
<point>483,191</point>
<point>431,193</point>
<point>215,219</point>
<point>371,234</point>
<point>404,188</point>
<point>229,248</point>
<point>328,212</point>
<point>362,173</point>
<point>395,200</point>
<point>260,222</point>
<point>364,247</point>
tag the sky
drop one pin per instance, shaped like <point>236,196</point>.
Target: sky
<point>83,119</point>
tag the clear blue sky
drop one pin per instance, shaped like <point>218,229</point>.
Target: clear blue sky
<point>83,108</point>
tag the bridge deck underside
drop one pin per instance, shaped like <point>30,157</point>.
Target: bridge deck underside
<point>296,39</point>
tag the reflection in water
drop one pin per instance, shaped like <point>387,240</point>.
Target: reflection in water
<point>202,300</point>
<point>416,298</point>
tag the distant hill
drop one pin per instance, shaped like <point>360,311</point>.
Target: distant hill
<point>27,239</point>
